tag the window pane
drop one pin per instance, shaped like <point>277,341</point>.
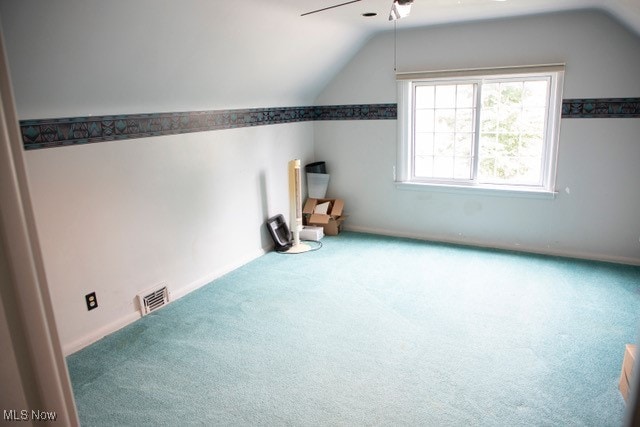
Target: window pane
<point>443,167</point>
<point>488,142</point>
<point>446,120</point>
<point>490,95</point>
<point>423,166</point>
<point>464,144</point>
<point>489,149</point>
<point>498,169</point>
<point>511,168</point>
<point>444,131</point>
<point>443,144</point>
<point>489,117</point>
<point>531,145</point>
<point>508,119</point>
<point>533,120</point>
<point>513,154</point>
<point>465,96</point>
<point>425,97</point>
<point>511,94</point>
<point>424,120</point>
<point>487,166</point>
<point>424,144</point>
<point>462,168</point>
<point>508,144</point>
<point>502,167</point>
<point>445,96</point>
<point>464,120</point>
<point>531,169</point>
<point>535,93</point>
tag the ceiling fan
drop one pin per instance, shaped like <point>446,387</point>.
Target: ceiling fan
<point>399,8</point>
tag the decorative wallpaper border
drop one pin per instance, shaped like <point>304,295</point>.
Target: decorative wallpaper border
<point>601,108</point>
<point>48,133</point>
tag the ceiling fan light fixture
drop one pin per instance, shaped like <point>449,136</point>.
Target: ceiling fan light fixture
<point>400,9</point>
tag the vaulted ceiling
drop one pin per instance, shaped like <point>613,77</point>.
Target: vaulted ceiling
<point>430,12</point>
<point>80,57</point>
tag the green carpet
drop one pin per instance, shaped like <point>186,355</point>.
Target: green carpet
<point>374,330</point>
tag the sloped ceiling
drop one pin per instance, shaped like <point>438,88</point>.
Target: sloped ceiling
<point>430,12</point>
<point>81,57</point>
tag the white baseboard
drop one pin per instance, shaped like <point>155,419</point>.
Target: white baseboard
<point>175,293</point>
<point>100,333</point>
<point>494,245</point>
<point>180,292</point>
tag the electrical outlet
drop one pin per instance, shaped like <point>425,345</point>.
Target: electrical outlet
<point>92,302</point>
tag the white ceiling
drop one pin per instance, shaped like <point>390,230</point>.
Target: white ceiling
<point>433,12</point>
<point>333,36</point>
<point>315,47</point>
<point>79,57</point>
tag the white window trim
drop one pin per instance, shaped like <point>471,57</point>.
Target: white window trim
<point>404,155</point>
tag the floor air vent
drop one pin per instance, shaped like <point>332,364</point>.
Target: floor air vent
<point>153,300</point>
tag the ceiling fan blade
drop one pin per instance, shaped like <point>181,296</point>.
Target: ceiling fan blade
<point>400,9</point>
<point>330,7</point>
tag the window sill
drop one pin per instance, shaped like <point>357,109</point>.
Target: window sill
<point>488,190</point>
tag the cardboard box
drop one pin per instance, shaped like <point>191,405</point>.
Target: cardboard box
<point>331,221</point>
<point>626,376</point>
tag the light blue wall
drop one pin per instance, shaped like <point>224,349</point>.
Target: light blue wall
<point>121,217</point>
<point>595,213</point>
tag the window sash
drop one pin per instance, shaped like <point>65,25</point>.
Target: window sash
<point>474,145</point>
<point>545,126</point>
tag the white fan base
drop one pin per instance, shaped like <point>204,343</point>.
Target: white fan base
<point>299,248</point>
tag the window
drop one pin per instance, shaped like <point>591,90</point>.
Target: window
<point>492,129</point>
